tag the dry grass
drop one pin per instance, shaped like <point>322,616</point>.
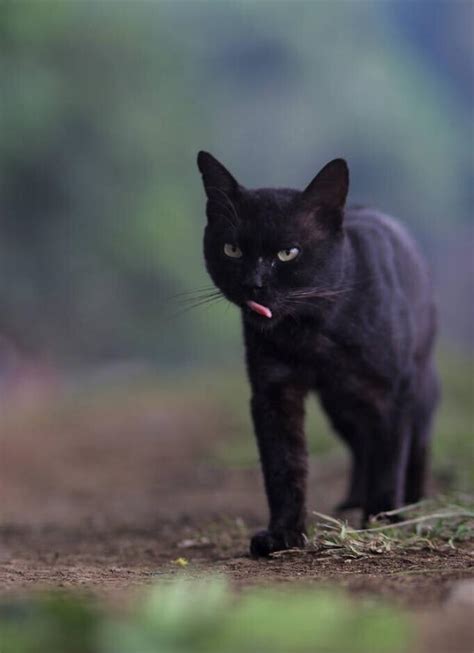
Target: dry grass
<point>436,524</point>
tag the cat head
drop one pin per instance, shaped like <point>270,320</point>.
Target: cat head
<point>274,252</point>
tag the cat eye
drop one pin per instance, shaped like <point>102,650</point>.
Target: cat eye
<point>232,250</point>
<point>288,254</point>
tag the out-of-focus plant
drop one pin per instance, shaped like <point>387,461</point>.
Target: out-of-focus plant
<point>53,623</point>
<point>188,616</point>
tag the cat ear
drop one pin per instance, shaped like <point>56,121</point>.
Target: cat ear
<point>215,177</point>
<point>330,186</point>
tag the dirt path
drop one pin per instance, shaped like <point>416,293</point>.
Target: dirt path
<point>106,497</point>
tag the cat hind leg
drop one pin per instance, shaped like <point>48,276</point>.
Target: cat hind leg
<point>422,421</point>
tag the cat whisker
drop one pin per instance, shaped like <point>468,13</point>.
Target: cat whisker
<point>330,291</point>
<point>203,289</point>
<point>312,289</point>
<point>305,300</point>
<point>299,302</point>
<point>318,293</point>
<point>197,304</point>
<point>292,315</point>
<point>196,298</point>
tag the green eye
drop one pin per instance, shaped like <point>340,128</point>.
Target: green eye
<point>288,254</point>
<point>232,250</point>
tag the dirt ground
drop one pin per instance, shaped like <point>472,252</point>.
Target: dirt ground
<point>107,496</point>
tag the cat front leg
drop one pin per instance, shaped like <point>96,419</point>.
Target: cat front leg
<point>278,416</point>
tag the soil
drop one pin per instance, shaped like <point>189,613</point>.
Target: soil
<point>108,496</point>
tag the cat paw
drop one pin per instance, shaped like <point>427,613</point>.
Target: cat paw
<point>266,542</point>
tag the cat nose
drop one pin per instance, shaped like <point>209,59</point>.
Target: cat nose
<point>254,282</point>
<point>252,290</point>
<point>253,279</point>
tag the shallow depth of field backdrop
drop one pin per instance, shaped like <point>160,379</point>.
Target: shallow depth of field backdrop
<point>105,105</point>
<point>103,108</point>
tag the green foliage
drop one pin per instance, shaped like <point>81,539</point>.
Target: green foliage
<point>55,623</point>
<point>203,615</point>
<point>453,447</point>
<point>239,449</point>
<point>106,106</point>
<point>452,439</point>
<point>312,622</point>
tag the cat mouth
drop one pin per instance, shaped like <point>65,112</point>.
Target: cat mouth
<point>259,309</point>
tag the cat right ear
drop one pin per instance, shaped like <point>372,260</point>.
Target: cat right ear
<point>216,178</point>
<point>330,186</point>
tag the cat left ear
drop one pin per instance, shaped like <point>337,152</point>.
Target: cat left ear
<point>215,177</point>
<point>330,186</point>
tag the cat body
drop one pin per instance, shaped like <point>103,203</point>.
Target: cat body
<point>334,301</point>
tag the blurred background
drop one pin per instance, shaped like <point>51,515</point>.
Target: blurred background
<point>104,106</point>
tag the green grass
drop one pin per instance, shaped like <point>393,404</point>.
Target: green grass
<point>227,391</point>
<point>453,442</point>
<point>238,447</point>
<point>203,615</point>
<point>453,439</point>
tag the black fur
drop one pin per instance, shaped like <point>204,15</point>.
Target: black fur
<point>353,319</point>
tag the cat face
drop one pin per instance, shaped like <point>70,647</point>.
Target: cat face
<point>273,252</point>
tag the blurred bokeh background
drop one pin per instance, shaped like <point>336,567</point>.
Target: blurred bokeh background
<point>104,106</point>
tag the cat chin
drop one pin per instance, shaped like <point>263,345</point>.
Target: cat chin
<point>260,321</point>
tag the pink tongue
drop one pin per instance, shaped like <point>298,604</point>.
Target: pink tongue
<point>258,308</point>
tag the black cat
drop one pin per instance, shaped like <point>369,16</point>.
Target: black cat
<point>339,302</point>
